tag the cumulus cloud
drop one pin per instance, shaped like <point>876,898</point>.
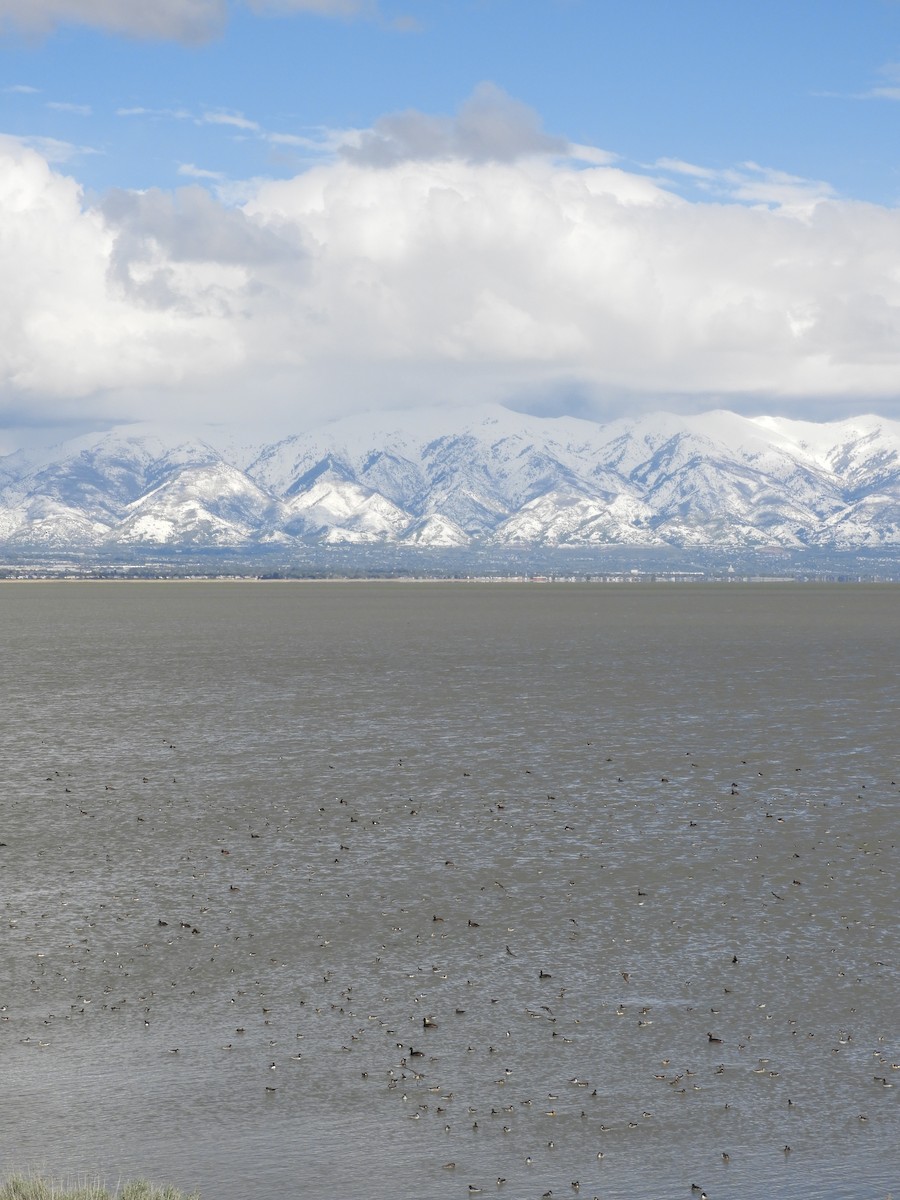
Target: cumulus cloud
<point>490,127</point>
<point>184,20</point>
<point>65,332</point>
<point>597,274</point>
<point>449,278</point>
<point>188,227</point>
<point>181,20</point>
<point>322,8</point>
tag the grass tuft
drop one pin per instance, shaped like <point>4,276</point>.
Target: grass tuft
<point>29,1187</point>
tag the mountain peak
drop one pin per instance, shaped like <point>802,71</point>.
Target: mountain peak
<point>478,475</point>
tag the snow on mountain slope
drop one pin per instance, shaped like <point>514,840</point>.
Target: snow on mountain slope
<point>455,476</point>
<point>44,522</point>
<point>569,518</point>
<point>337,510</point>
<point>213,504</point>
<point>870,522</point>
<point>472,466</point>
<point>435,532</point>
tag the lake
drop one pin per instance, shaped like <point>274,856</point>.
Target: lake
<point>366,890</point>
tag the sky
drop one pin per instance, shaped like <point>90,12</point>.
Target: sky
<point>279,211</point>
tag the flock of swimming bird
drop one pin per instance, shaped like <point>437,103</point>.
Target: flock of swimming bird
<point>491,954</point>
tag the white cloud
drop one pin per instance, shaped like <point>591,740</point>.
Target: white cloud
<point>176,114</point>
<point>440,279</point>
<point>889,90</point>
<point>66,333</point>
<point>326,142</point>
<point>79,110</point>
<point>680,167</point>
<point>490,126</point>
<point>182,20</point>
<point>236,120</point>
<point>318,143</point>
<point>764,185</point>
<point>591,154</point>
<point>753,184</point>
<point>321,8</point>
<point>55,150</point>
<point>195,172</point>
<point>22,89</point>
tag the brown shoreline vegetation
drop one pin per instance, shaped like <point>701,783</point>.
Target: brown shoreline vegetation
<point>33,1187</point>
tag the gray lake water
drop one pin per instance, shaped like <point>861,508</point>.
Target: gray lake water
<point>256,834</point>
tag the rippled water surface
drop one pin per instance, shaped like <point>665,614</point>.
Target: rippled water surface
<point>256,834</point>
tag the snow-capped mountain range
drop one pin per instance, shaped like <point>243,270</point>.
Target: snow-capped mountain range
<point>456,478</point>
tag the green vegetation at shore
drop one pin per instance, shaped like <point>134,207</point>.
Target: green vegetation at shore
<point>27,1187</point>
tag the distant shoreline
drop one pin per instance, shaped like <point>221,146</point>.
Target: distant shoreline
<point>609,581</point>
